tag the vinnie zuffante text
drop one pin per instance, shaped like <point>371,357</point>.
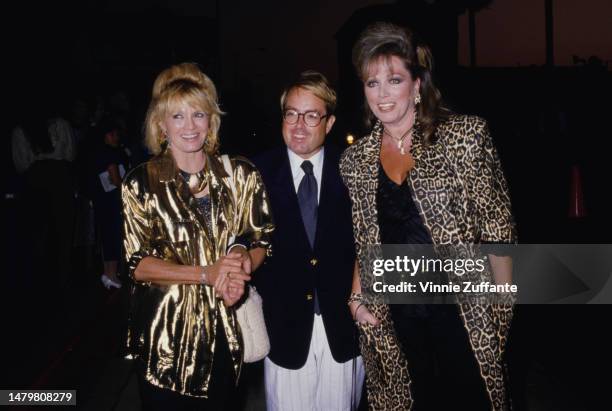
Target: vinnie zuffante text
<point>422,265</point>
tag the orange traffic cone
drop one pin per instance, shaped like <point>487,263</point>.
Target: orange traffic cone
<point>576,208</point>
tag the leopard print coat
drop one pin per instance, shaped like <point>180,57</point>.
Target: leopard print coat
<point>462,196</point>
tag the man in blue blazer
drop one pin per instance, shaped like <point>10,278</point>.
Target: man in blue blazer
<point>313,362</point>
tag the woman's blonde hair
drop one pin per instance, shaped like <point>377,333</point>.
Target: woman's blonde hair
<point>182,84</point>
<point>384,40</point>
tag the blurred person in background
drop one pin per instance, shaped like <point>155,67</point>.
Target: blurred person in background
<point>110,163</point>
<point>43,149</point>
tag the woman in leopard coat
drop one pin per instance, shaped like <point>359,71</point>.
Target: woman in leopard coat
<point>426,176</point>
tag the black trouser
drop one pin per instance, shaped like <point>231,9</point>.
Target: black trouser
<point>442,366</point>
<point>107,213</point>
<point>221,390</point>
<point>50,198</point>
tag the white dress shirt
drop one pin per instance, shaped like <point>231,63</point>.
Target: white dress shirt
<point>296,161</point>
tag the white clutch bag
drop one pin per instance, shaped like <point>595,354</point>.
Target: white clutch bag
<point>253,327</point>
<point>250,316</point>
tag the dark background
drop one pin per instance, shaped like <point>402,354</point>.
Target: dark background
<point>545,118</point>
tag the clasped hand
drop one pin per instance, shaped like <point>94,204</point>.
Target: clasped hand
<point>229,275</point>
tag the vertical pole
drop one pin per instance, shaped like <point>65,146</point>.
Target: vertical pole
<point>472,29</point>
<point>550,47</point>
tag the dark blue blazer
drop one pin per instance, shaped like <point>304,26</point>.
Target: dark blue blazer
<point>287,280</point>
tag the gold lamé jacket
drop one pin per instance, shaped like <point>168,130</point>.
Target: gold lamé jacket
<point>459,188</point>
<point>171,330</point>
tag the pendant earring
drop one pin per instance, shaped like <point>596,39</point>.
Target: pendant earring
<point>417,99</point>
<point>207,140</point>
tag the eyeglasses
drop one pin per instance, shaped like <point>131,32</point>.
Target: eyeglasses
<point>311,118</point>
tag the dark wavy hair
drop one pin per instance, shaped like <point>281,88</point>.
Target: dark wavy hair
<point>384,40</point>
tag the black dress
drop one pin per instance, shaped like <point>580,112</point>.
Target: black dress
<point>441,363</point>
<point>107,204</point>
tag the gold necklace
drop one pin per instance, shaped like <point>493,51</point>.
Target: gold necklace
<point>400,141</point>
<point>196,182</point>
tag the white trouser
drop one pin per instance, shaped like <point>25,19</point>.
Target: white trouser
<point>322,384</point>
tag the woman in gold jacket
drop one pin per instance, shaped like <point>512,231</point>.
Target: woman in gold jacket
<point>193,235</point>
<point>425,176</point>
